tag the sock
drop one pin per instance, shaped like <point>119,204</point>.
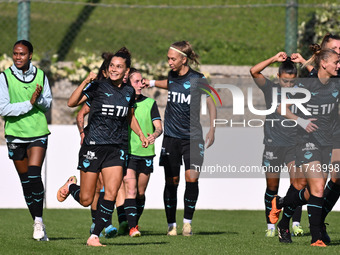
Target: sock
<point>297,214</point>
<point>38,219</point>
<point>121,214</point>
<point>314,208</point>
<point>331,196</point>
<point>172,224</point>
<point>170,202</point>
<point>93,214</point>
<point>302,200</point>
<point>74,191</point>
<point>295,223</point>
<point>186,220</point>
<point>104,212</point>
<point>270,226</point>
<point>34,177</point>
<point>286,216</point>
<point>131,212</point>
<point>268,197</point>
<point>190,199</point>
<point>293,198</point>
<point>100,199</point>
<point>27,190</point>
<point>140,206</point>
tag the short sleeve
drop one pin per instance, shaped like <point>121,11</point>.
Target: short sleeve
<point>155,112</point>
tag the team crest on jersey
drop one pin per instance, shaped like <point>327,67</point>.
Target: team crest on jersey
<point>335,93</point>
<point>187,84</point>
<point>128,98</point>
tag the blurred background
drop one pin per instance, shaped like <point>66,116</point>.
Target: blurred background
<point>229,36</point>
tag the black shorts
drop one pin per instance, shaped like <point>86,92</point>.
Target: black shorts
<point>93,158</point>
<point>336,142</point>
<point>18,151</point>
<point>173,149</point>
<point>140,164</point>
<point>278,156</point>
<point>308,152</point>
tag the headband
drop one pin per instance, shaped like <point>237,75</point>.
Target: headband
<point>181,52</point>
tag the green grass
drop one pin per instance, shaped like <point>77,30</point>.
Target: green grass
<point>215,232</point>
<point>231,36</point>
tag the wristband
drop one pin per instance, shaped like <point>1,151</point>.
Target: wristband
<point>152,83</point>
<point>302,122</point>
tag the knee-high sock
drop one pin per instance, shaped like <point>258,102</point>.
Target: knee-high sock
<point>190,199</point>
<point>100,199</point>
<point>314,208</point>
<point>268,197</point>
<point>121,214</point>
<point>27,190</point>
<point>130,208</point>
<point>34,177</point>
<point>331,196</point>
<point>297,214</point>
<point>170,202</point>
<point>140,207</point>
<point>104,213</point>
<point>74,191</point>
<point>293,198</point>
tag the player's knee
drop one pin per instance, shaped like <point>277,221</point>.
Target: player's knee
<point>34,174</point>
<point>172,180</point>
<point>131,193</point>
<point>85,200</point>
<point>141,195</point>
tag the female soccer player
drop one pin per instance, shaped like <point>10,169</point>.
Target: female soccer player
<point>315,139</point>
<point>24,97</point>
<point>110,231</point>
<point>332,189</point>
<point>105,144</point>
<point>279,141</point>
<point>140,160</point>
<point>183,136</point>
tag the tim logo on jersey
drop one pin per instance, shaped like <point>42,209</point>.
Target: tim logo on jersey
<point>189,87</point>
<point>114,110</point>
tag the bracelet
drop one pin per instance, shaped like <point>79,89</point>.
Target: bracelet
<point>81,132</point>
<point>152,83</point>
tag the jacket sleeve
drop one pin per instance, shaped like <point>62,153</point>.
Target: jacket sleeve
<point>8,109</point>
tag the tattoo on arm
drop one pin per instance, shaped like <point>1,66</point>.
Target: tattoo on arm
<point>80,124</point>
<point>157,132</point>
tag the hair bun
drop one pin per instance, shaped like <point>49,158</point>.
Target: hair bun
<point>315,48</point>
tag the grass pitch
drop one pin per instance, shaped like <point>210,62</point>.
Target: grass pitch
<point>215,232</point>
